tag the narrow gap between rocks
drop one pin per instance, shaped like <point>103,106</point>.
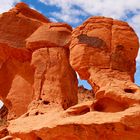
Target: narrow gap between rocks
<point>1,104</point>
<point>83,83</point>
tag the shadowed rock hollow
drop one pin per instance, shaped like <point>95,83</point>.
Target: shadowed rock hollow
<point>38,84</point>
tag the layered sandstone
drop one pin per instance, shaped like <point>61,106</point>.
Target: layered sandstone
<point>38,83</point>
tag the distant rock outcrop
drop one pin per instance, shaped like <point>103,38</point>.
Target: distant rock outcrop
<point>110,65</point>
<point>85,94</point>
<point>38,84</point>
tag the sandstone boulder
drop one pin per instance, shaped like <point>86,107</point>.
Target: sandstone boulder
<point>108,43</point>
<point>16,74</point>
<point>16,79</point>
<point>55,82</point>
<point>103,51</point>
<point>50,35</point>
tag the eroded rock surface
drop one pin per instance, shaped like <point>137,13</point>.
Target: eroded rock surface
<point>85,94</point>
<point>55,82</point>
<point>38,85</point>
<point>16,75</point>
<point>110,65</point>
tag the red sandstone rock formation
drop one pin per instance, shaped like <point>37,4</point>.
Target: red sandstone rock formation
<point>16,75</point>
<point>39,86</point>
<point>111,47</point>
<point>55,81</point>
<point>50,35</point>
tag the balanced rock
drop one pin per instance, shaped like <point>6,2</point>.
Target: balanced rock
<point>55,81</point>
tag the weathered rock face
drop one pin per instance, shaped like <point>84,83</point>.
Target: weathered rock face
<point>3,112</point>
<point>113,43</point>
<point>55,82</point>
<point>87,125</point>
<point>39,87</point>
<point>18,24</point>
<point>111,47</point>
<point>16,75</point>
<point>50,35</point>
<point>15,68</point>
<point>44,75</point>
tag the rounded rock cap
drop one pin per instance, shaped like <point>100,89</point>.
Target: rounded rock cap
<point>50,35</point>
